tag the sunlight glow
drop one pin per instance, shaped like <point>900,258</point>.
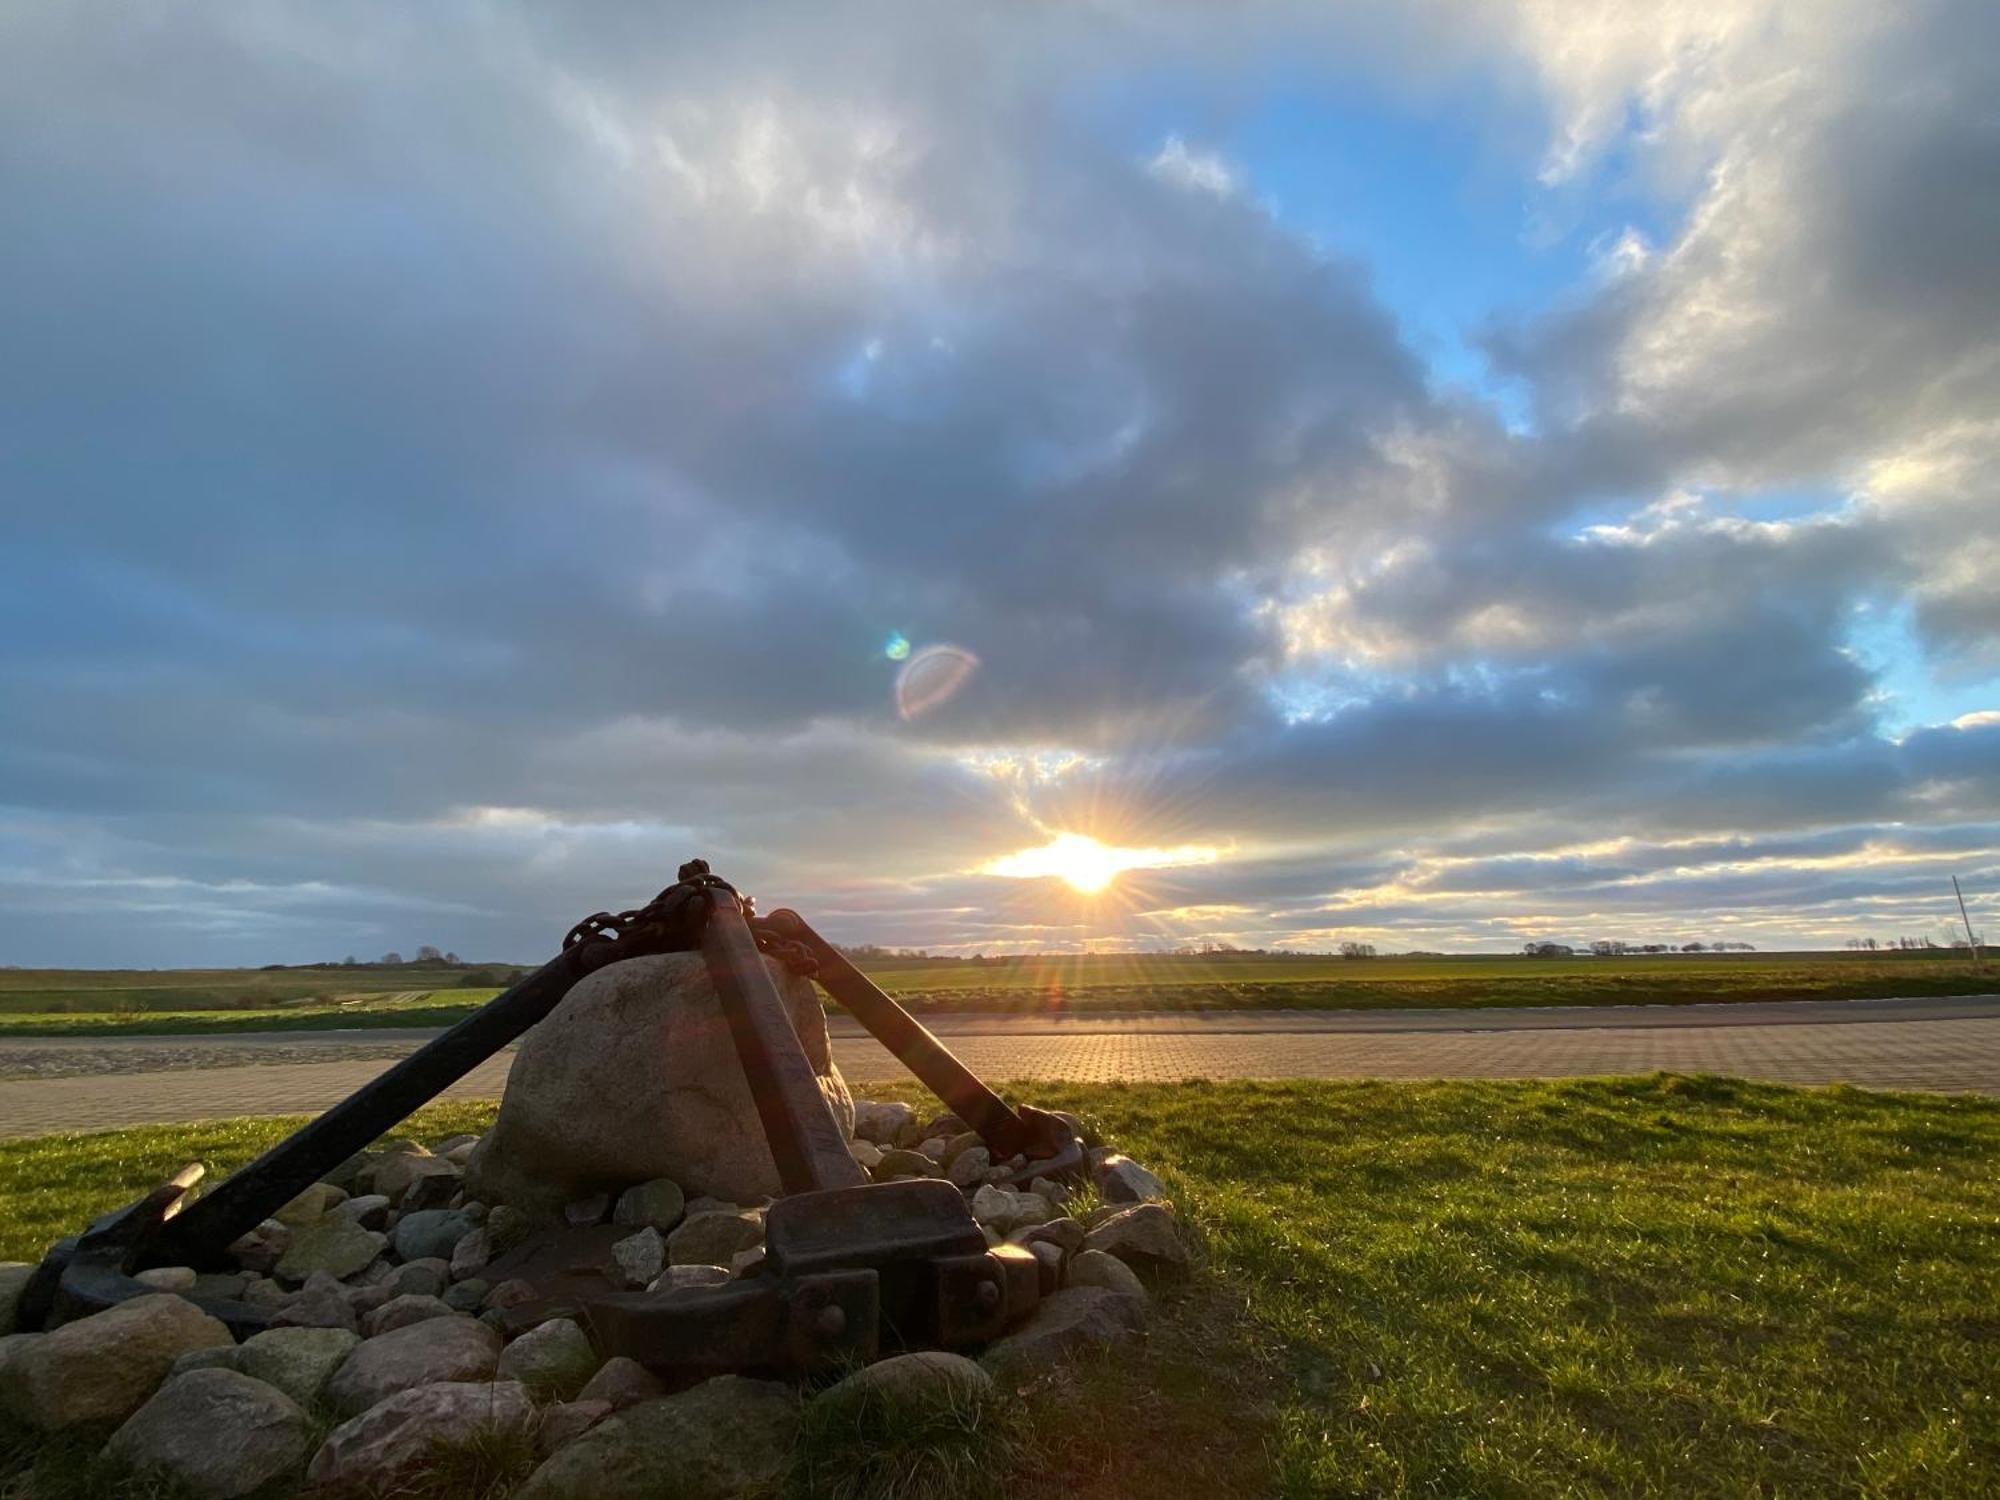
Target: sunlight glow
<point>1087,865</point>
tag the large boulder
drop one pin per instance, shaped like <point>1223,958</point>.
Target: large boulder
<point>1145,1237</point>
<point>220,1433</point>
<point>99,1370</point>
<point>428,1353</point>
<point>552,1359</point>
<point>298,1361</point>
<point>14,1276</point>
<point>1070,1322</point>
<point>634,1077</point>
<point>726,1437</point>
<point>930,1377</point>
<point>395,1439</point>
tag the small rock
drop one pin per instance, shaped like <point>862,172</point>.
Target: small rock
<point>437,1349</point>
<point>419,1278</point>
<point>1145,1237</point>
<point>14,1277</point>
<point>711,1239</point>
<point>453,1143</point>
<point>725,1437</point>
<point>590,1210</point>
<point>470,1255</point>
<point>621,1382</point>
<point>904,1381</point>
<point>639,1258</point>
<point>1051,1257</point>
<point>365,1299</point>
<point>332,1245</point>
<point>298,1361</point>
<point>867,1153</point>
<point>883,1124</point>
<point>396,1174</point>
<point>510,1294</point>
<point>370,1211</point>
<point>220,1433</point>
<point>659,1203</point>
<point>458,1156</point>
<point>969,1167</point>
<point>102,1368</point>
<point>261,1248</point>
<point>397,1438</point>
<point>958,1145</point>
<point>348,1174</point>
<point>1049,1188</point>
<point>473,1209</point>
<point>401,1312</point>
<point>1096,1268</point>
<point>934,1148</point>
<point>321,1303</point>
<point>310,1206</point>
<point>1065,1232</point>
<point>218,1357</point>
<point>707,1205</point>
<point>402,1144</point>
<point>567,1421</point>
<point>901,1163</point>
<point>220,1286</point>
<point>1069,1322</point>
<point>431,1233</point>
<point>467,1296</point>
<point>1123,1180</point>
<point>433,1190</point>
<point>1007,1211</point>
<point>261,1291</point>
<point>177,1279</point>
<point>552,1359</point>
<point>673,1278</point>
<point>746,1262</point>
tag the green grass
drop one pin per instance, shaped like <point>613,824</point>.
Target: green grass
<point>1678,1286</point>
<point>85,1003</point>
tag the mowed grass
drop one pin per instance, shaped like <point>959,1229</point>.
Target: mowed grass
<point>87,1002</point>
<point>1667,1285</point>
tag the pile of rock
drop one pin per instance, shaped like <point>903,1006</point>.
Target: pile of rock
<point>386,1315</point>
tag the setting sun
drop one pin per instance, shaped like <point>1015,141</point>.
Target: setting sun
<point>1088,865</point>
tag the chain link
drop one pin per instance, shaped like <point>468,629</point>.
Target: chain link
<point>674,919</point>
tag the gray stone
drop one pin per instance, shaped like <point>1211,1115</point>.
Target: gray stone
<point>707,1205</point>
<point>934,1148</point>
<point>332,1245</point>
<point>1095,1268</point>
<point>1007,1211</point>
<point>639,1257</point>
<point>746,1262</point>
<point>220,1433</point>
<point>659,1203</point>
<point>370,1211</point>
<point>218,1357</point>
<point>419,1278</point>
<point>176,1279</point>
<point>901,1163</point>
<point>467,1296</point>
<point>621,1382</point>
<point>506,1226</point>
<point>510,1294</point>
<point>438,1349</point>
<point>1063,1232</point>
<point>321,1303</point>
<point>724,1438</point>
<point>365,1299</point>
<point>674,1278</point>
<point>552,1359</point>
<point>397,1438</point>
<point>14,1276</point>
<point>401,1312</point>
<point>1069,1322</point>
<point>1123,1180</point>
<point>101,1369</point>
<point>433,1190</point>
<point>394,1176</point>
<point>262,1291</point>
<point>590,1209</point>
<point>712,1239</point>
<point>470,1255</point>
<point>452,1143</point>
<point>866,1153</point>
<point>220,1286</point>
<point>969,1167</point>
<point>310,1206</point>
<point>259,1250</point>
<point>884,1123</point>
<point>566,1421</point>
<point>634,1077</point>
<point>1145,1237</point>
<point>903,1381</point>
<point>431,1233</point>
<point>298,1361</point>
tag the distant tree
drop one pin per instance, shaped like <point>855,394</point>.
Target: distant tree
<point>1548,950</point>
<point>1694,947</point>
<point>391,957</point>
<point>350,962</point>
<point>1357,950</point>
<point>429,955</point>
<point>453,958</point>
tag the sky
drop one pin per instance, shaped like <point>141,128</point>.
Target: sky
<point>1440,474</point>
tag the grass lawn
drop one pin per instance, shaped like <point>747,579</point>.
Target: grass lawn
<point>104,1002</point>
<point>1666,1285</point>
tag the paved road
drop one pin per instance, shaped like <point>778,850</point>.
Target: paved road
<point>49,1084</point>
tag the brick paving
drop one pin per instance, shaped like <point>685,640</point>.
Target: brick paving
<point>1886,1044</point>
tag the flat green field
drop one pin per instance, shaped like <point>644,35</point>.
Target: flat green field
<point>89,1001</point>
<point>1654,1286</point>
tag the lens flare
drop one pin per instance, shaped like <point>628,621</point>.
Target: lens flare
<point>932,678</point>
<point>1088,865</point>
<point>897,647</point>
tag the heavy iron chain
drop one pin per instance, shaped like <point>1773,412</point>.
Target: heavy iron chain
<point>672,921</point>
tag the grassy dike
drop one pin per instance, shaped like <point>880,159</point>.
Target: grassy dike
<point>1667,1285</point>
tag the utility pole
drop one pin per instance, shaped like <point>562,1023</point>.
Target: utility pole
<point>1972,941</point>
